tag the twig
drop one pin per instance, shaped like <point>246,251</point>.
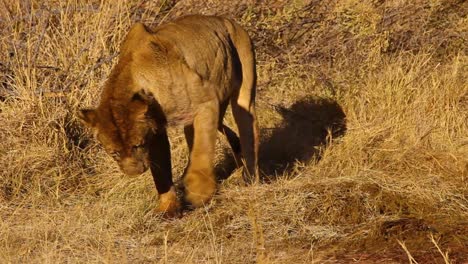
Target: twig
<point>262,256</point>
<point>98,64</point>
<point>134,9</point>
<point>167,14</point>
<point>41,38</point>
<point>102,61</point>
<point>444,255</point>
<point>410,258</point>
<point>47,67</point>
<point>166,236</point>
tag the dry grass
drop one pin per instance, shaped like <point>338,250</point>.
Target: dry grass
<point>363,107</point>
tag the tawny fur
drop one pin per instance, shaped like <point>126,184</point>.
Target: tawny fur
<point>185,73</point>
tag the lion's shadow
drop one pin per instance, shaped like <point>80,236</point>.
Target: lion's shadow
<point>306,128</point>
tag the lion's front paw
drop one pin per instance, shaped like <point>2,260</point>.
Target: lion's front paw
<point>199,187</point>
<point>168,204</point>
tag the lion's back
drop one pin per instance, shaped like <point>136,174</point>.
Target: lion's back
<point>198,39</point>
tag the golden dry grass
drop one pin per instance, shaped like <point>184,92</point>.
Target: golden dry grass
<point>363,107</point>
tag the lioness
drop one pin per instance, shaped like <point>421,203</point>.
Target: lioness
<point>182,73</point>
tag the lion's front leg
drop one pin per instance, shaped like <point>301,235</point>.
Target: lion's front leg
<point>199,180</point>
<point>160,164</point>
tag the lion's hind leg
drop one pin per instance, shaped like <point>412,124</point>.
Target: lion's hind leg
<point>233,141</point>
<point>245,117</point>
<point>230,135</point>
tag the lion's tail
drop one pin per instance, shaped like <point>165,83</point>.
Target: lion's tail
<point>243,105</point>
<point>245,51</point>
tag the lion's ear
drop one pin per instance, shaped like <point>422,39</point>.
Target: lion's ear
<point>136,36</point>
<point>88,117</point>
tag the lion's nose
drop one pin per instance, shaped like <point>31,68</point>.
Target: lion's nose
<point>132,167</point>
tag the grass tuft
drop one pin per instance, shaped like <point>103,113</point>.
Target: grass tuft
<point>363,113</point>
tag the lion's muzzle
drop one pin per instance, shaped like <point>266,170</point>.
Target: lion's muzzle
<point>132,167</point>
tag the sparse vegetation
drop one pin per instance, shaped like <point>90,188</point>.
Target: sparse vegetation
<point>363,108</point>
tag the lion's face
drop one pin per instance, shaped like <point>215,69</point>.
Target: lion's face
<point>123,131</point>
<point>132,155</point>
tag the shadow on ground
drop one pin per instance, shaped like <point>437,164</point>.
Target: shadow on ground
<point>307,125</point>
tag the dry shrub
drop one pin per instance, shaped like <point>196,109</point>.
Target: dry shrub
<point>363,110</point>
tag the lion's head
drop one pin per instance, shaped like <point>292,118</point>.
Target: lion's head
<point>123,128</point>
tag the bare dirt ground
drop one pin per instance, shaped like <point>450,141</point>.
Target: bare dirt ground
<point>363,109</point>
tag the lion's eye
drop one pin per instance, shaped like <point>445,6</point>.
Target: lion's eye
<point>139,145</point>
<point>135,147</point>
